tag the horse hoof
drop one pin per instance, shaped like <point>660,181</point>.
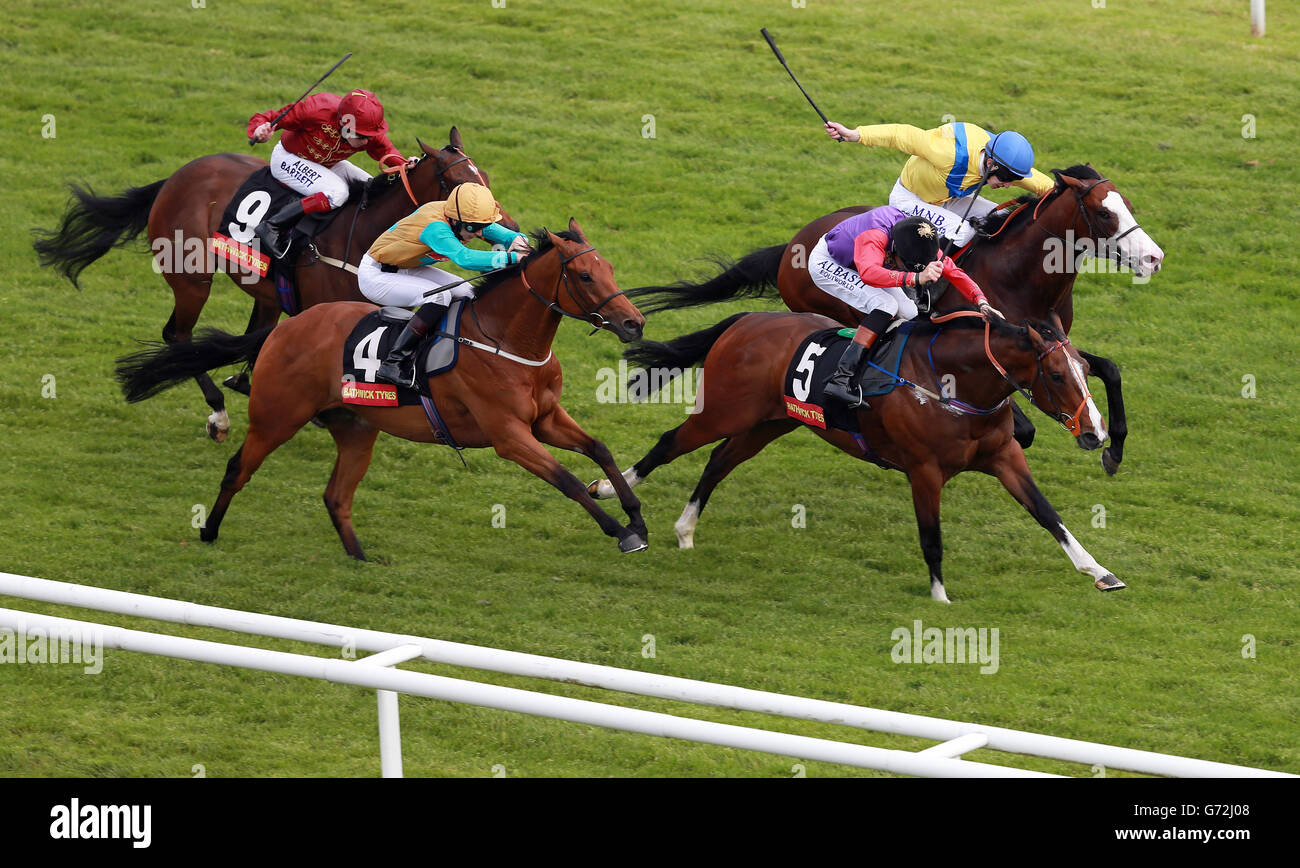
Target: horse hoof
<point>1109,582</point>
<point>217,434</point>
<point>1109,463</point>
<point>632,543</point>
<point>594,488</point>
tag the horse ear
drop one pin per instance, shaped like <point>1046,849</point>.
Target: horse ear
<point>423,146</point>
<point>576,229</point>
<point>556,240</point>
<point>454,139</point>
<point>1066,180</point>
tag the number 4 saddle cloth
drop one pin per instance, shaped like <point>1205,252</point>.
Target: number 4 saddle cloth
<point>815,361</point>
<point>369,343</point>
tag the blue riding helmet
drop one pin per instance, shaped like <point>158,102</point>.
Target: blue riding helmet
<point>1012,150</point>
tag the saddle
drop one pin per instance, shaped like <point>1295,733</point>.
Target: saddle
<point>234,241</point>
<point>814,362</point>
<point>370,342</point>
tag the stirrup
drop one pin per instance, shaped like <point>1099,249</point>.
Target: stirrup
<point>386,370</point>
<point>847,397</point>
<point>270,236</point>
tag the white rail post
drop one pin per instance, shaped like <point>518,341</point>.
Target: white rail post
<point>390,725</point>
<point>1256,17</point>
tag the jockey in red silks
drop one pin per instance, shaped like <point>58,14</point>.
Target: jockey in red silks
<point>870,261</point>
<point>320,133</point>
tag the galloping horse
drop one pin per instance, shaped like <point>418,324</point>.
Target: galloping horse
<point>1013,265</point>
<point>913,429</point>
<point>488,399</point>
<point>189,204</point>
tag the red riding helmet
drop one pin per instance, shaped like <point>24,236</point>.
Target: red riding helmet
<point>366,111</point>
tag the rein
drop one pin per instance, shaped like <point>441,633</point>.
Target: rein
<point>1071,422</point>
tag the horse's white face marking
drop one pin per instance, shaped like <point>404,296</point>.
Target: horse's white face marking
<point>1137,249</point>
<point>685,526</point>
<point>1095,423</point>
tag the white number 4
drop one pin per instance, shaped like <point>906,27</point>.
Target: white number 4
<point>365,357</point>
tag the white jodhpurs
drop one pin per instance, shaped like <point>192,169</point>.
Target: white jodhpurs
<point>408,287</point>
<point>946,216</point>
<point>847,286</point>
<point>307,177</point>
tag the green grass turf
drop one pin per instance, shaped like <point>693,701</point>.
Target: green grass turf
<point>551,98</point>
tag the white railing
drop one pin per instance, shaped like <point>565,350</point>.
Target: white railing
<point>376,672</point>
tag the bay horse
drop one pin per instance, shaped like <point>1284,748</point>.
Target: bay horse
<point>1011,262</point>
<point>741,402</point>
<point>488,399</point>
<point>189,205</point>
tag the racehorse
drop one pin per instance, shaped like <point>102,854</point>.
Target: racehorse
<point>930,438</point>
<point>504,394</point>
<point>1011,262</point>
<point>189,205</point>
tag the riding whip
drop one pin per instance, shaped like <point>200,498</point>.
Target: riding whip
<point>253,141</point>
<point>781,58</point>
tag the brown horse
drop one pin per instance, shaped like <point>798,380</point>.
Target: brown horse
<point>742,402</point>
<point>1014,264</point>
<point>488,399</point>
<point>189,204</point>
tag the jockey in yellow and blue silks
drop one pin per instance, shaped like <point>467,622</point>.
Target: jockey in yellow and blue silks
<point>947,166</point>
<point>399,270</point>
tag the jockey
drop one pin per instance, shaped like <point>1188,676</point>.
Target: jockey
<point>948,165</point>
<point>320,133</point>
<point>868,262</point>
<point>398,268</point>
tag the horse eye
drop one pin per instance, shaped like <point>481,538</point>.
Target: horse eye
<point>586,276</point>
<point>1104,213</point>
<point>1057,378</point>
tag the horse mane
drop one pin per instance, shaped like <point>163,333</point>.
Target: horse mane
<point>541,242</point>
<point>1018,214</point>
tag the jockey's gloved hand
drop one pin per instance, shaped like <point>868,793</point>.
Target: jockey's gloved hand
<point>262,133</point>
<point>988,310</point>
<point>930,273</point>
<point>520,245</point>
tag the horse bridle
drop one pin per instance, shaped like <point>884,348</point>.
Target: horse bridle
<point>444,189</point>
<point>589,315</point>
<point>1080,196</point>
<point>1071,422</point>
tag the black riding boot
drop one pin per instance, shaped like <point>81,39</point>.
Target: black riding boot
<point>270,229</point>
<point>400,356</point>
<point>838,385</point>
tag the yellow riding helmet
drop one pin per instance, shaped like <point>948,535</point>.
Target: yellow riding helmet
<point>472,203</point>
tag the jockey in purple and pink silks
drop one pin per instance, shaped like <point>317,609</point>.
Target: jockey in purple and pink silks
<point>868,261</point>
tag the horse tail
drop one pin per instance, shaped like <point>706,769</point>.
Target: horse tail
<point>752,277</point>
<point>148,372</point>
<point>682,352</point>
<point>94,225</point>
